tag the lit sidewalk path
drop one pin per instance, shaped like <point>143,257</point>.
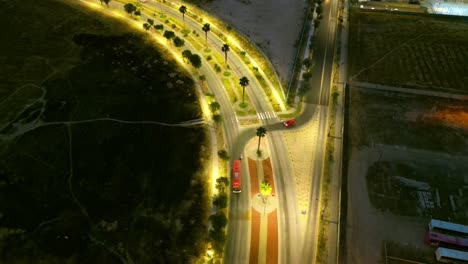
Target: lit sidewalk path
<point>264,221</point>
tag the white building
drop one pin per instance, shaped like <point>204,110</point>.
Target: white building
<point>447,7</point>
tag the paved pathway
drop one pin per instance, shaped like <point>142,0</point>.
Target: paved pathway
<point>264,221</point>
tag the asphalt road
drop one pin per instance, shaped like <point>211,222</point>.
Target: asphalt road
<point>317,96</point>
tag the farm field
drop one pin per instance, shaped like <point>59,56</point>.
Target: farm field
<point>409,50</point>
<point>90,151</point>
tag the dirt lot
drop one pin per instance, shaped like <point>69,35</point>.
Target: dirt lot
<point>417,138</point>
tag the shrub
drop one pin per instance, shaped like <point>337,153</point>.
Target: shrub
<point>217,118</point>
<point>218,220</point>
<point>223,154</point>
<point>178,42</point>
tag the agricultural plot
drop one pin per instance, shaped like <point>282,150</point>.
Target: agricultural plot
<point>90,165</point>
<point>416,51</point>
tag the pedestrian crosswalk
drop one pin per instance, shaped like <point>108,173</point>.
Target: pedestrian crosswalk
<point>266,115</point>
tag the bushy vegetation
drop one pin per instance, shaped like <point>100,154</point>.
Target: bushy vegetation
<point>102,189</point>
<point>219,219</point>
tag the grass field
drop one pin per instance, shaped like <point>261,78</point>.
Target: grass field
<point>76,186</point>
<point>417,51</point>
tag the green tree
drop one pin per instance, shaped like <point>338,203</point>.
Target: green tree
<point>195,60</point>
<point>261,132</point>
<point>265,190</point>
<point>130,8</point>
<point>178,42</point>
<point>217,118</point>
<point>146,26</point>
<point>137,13</point>
<point>319,9</point>
<point>220,200</point>
<point>217,68</point>
<point>206,28</point>
<point>150,22</point>
<point>306,75</point>
<point>218,220</point>
<point>222,183</point>
<point>159,27</point>
<point>225,49</point>
<point>316,23</point>
<point>219,239</point>
<point>169,34</point>
<point>183,10</point>
<point>215,106</point>
<point>186,54</point>
<point>243,82</point>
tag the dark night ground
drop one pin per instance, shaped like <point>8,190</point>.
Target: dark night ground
<point>103,191</point>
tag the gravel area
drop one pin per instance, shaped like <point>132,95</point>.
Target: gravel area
<point>273,25</point>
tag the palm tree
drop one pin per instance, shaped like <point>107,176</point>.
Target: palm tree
<point>243,82</point>
<point>183,10</point>
<point>265,190</point>
<point>225,49</point>
<point>261,132</point>
<point>150,22</point>
<point>206,28</point>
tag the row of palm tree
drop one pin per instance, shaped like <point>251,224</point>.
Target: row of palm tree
<point>132,9</point>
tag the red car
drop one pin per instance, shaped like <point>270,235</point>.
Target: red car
<point>289,123</point>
